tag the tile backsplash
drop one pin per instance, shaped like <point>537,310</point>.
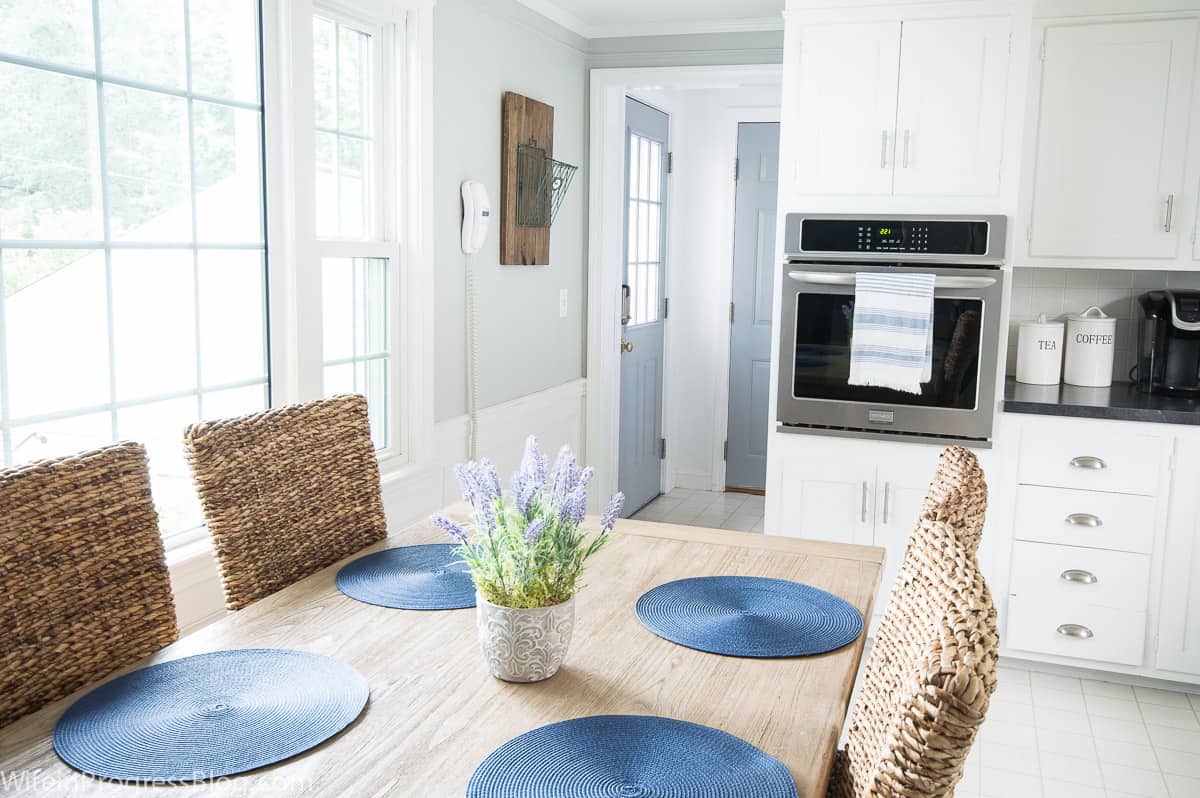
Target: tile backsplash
<point>1060,292</point>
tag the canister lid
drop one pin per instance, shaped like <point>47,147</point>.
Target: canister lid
<point>1093,314</point>
<point>1042,323</point>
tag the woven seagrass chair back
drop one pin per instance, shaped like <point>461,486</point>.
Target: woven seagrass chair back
<point>286,492</point>
<point>932,669</point>
<point>85,583</point>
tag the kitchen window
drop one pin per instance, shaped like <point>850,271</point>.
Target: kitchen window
<point>132,247</point>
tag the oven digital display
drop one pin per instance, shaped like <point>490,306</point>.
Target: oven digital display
<point>864,235</point>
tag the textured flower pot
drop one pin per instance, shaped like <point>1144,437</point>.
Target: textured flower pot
<point>524,645</point>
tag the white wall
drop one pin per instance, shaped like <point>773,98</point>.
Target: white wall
<point>483,48</point>
<point>698,49</point>
<point>699,270</point>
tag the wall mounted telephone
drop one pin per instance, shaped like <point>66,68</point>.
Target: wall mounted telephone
<point>477,216</point>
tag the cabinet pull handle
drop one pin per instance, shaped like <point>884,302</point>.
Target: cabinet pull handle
<point>887,499</point>
<point>883,150</point>
<point>1084,519</point>
<point>1078,575</point>
<point>863,514</point>
<point>1078,631</point>
<point>907,133</point>
<point>1088,462</point>
<point>1170,222</point>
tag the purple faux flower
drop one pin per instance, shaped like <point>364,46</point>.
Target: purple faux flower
<point>480,489</point>
<point>574,507</point>
<point>533,464</point>
<point>456,532</point>
<point>565,474</point>
<point>609,518</point>
<point>534,531</point>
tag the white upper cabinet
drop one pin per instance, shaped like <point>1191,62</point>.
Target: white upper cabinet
<point>1111,140</point>
<point>912,108</point>
<point>846,108</point>
<point>951,107</point>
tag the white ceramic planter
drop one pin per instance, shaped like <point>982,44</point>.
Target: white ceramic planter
<point>524,645</point>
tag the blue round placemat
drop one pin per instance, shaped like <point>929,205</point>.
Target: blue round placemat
<point>610,756</point>
<point>209,715</point>
<point>749,616</point>
<point>426,577</point>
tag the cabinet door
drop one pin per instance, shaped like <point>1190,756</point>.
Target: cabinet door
<point>951,107</point>
<point>827,500</point>
<point>1179,609</point>
<point>901,486</point>
<point>846,96</point>
<point>1111,136</point>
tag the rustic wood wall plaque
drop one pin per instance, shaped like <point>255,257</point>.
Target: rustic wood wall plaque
<point>523,121</point>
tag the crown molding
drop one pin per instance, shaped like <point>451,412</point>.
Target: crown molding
<point>575,24</point>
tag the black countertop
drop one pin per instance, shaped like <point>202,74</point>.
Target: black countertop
<point>1122,402</point>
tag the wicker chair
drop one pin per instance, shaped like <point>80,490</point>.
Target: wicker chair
<point>932,669</point>
<point>286,492</point>
<point>86,589</point>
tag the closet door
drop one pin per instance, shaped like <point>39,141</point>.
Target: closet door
<point>1111,138</point>
<point>951,107</point>
<point>845,124</point>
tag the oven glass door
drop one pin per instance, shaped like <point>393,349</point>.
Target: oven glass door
<point>824,324</point>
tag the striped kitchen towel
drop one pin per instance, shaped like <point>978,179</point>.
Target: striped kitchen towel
<point>892,343</point>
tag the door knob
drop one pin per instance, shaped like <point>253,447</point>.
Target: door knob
<point>627,346</point>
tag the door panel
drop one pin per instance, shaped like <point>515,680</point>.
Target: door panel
<point>1111,138</point>
<point>951,108</point>
<point>827,501</point>
<point>753,276</point>
<point>639,465</point>
<point>847,92</point>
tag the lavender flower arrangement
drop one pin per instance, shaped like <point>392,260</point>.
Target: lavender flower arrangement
<point>527,549</point>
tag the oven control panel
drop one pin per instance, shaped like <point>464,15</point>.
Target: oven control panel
<point>926,237</point>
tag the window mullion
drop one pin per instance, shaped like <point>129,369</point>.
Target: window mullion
<point>194,197</point>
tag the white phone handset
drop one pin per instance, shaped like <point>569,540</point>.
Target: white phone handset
<point>477,216</point>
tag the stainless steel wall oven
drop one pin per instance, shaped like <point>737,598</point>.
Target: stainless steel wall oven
<point>824,252</point>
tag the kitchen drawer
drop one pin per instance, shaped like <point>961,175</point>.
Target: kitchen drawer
<point>1061,575</point>
<point>1090,460</point>
<point>1117,635</point>
<point>1085,518</point>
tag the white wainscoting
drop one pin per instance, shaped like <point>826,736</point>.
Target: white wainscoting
<point>555,415</point>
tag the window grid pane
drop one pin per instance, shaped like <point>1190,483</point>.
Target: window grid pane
<point>644,247</point>
<point>355,322</point>
<point>134,169</point>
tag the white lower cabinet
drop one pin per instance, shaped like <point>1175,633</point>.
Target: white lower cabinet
<point>1116,636</point>
<point>1179,605</point>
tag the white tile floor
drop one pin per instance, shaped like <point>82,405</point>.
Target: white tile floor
<point>704,508</point>
<point>1045,736</point>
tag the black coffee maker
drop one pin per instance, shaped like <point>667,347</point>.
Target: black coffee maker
<point>1169,343</point>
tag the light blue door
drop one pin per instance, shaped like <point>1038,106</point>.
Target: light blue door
<point>750,334</point>
<point>644,309</point>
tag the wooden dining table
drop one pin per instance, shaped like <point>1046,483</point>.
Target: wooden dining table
<point>435,712</point>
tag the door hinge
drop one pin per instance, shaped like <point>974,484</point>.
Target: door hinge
<point>662,448</point>
<point>725,452</point>
<point>731,313</point>
<point>737,169</point>
<point>670,162</point>
<point>666,307</point>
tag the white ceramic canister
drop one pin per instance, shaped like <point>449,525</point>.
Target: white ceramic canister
<point>1091,342</point>
<point>1039,351</point>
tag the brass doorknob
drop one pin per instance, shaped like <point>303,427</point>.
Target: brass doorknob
<point>627,346</point>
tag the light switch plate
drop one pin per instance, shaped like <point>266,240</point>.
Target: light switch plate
<point>562,303</point>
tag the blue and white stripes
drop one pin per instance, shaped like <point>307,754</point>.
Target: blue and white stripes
<point>892,343</point>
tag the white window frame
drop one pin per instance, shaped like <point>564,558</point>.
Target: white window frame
<point>401,221</point>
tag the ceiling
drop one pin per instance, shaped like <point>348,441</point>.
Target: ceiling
<point>603,18</point>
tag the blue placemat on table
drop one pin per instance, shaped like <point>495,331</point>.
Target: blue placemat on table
<point>209,715</point>
<point>629,755</point>
<point>749,616</point>
<point>426,577</point>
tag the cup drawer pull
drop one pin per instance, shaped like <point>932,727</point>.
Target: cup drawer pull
<point>1075,630</point>
<point>1088,463</point>
<point>1084,519</point>
<point>1078,575</point>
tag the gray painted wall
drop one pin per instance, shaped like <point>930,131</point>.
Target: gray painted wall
<point>699,49</point>
<point>482,48</point>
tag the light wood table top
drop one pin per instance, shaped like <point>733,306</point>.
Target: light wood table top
<point>435,713</point>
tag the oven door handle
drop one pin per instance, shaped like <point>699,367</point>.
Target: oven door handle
<point>941,281</point>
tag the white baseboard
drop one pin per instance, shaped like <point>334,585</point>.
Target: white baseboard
<point>555,415</point>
